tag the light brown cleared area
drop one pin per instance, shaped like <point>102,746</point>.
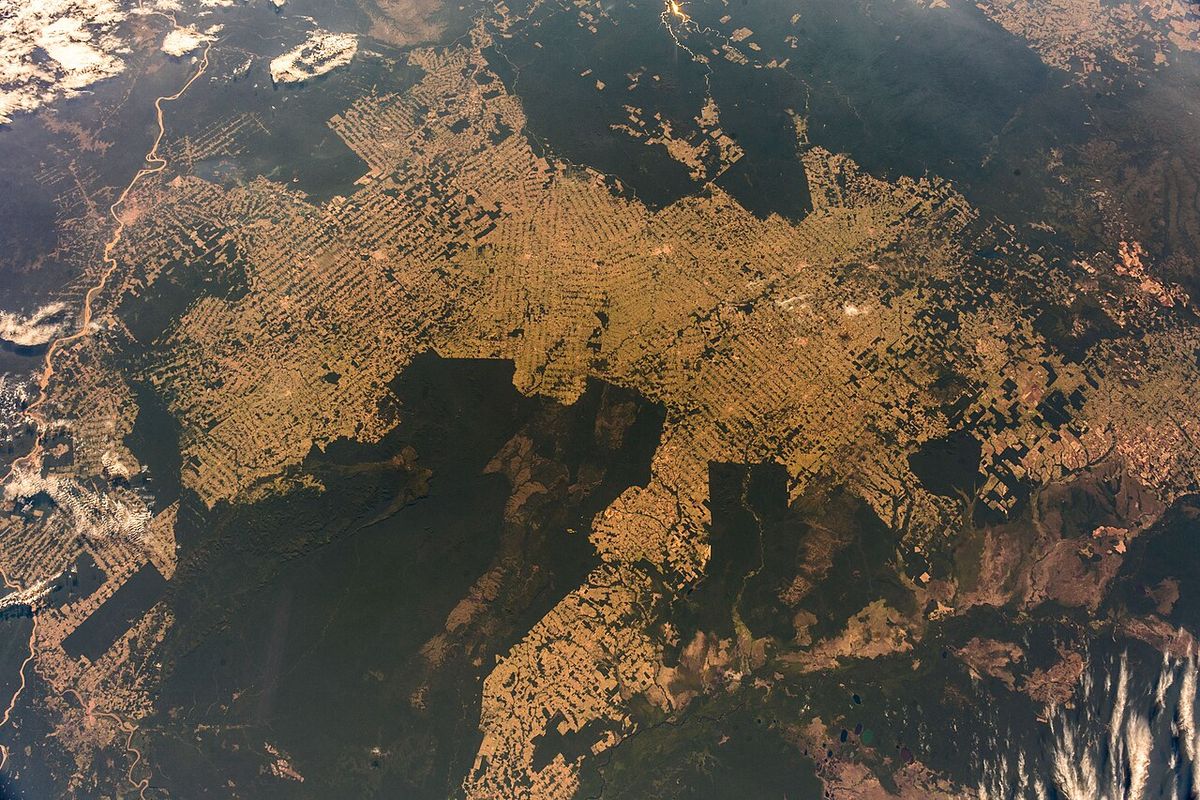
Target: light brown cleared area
<point>819,344</point>
<point>816,344</point>
<point>110,526</point>
<point>405,22</point>
<point>1079,36</point>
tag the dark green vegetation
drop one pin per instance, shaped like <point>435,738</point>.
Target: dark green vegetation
<point>343,625</point>
<point>737,737</point>
<point>119,612</point>
<point>316,623</point>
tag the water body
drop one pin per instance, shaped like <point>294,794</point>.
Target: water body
<point>60,162</point>
<point>283,131</point>
<point>26,778</point>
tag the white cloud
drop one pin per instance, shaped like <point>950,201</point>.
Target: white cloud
<point>321,52</point>
<point>54,48</point>
<point>183,40</point>
<point>37,328</point>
